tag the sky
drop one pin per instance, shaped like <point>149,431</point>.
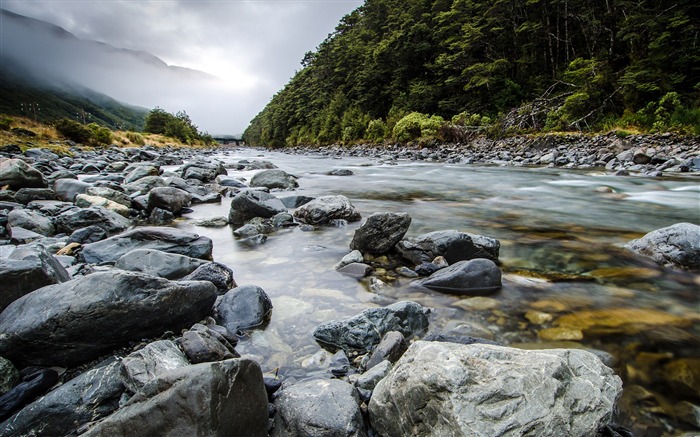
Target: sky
<point>254,47</point>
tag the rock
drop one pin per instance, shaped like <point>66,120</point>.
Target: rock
<point>369,379</point>
<point>380,232</point>
<point>453,245</point>
<point>110,194</point>
<point>86,201</point>
<point>18,174</point>
<point>227,181</point>
<point>26,195</point>
<point>168,198</point>
<point>250,203</point>
<point>318,408</point>
<point>254,227</point>
<point>31,387</point>
<point>68,189</point>
<point>87,397</point>
<point>619,321</point>
<point>340,365</point>
<point>91,234</point>
<point>274,179</point>
<point>144,185</point>
<point>140,367</point>
<point>478,389</point>
<point>353,257</point>
<point>474,277</point>
<point>201,346</point>
<point>9,376</point>
<point>158,263</point>
<point>245,307</point>
<point>295,201</point>
<point>31,220</point>
<point>141,171</point>
<point>169,240</point>
<point>363,331</point>
<point>356,270</point>
<point>216,273</point>
<point>104,310</point>
<point>203,171</point>
<point>674,246</point>
<point>392,346</point>
<point>340,172</point>
<point>214,222</point>
<point>324,209</point>
<point>19,235</point>
<point>160,217</point>
<point>683,376</point>
<point>78,218</point>
<point>688,413</point>
<point>225,398</point>
<point>26,269</point>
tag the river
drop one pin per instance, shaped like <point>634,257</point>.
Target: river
<point>560,233</point>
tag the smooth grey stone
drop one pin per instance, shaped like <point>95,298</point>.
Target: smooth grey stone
<point>18,174</point>
<point>473,277</point>
<point>242,308</point>
<point>392,346</point>
<point>324,209</point>
<point>216,273</point>
<point>674,246</point>
<point>380,232</point>
<point>295,201</point>
<point>26,195</point>
<point>140,367</point>
<point>31,220</point>
<point>249,204</point>
<point>77,218</point>
<point>274,179</point>
<point>356,270</point>
<point>451,244</point>
<point>168,198</point>
<point>31,387</point>
<point>158,263</point>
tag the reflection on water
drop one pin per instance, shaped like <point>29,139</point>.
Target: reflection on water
<point>567,282</point>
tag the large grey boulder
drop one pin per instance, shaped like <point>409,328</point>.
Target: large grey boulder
<point>252,203</point>
<point>439,389</point>
<point>31,220</point>
<point>451,244</point>
<point>473,277</point>
<point>168,198</point>
<point>77,218</point>
<point>144,185</point>
<point>244,307</point>
<point>26,195</point>
<point>140,367</point>
<point>166,239</point>
<point>158,263</point>
<point>26,269</point>
<point>365,330</point>
<point>225,398</point>
<point>73,322</point>
<point>68,189</point>
<point>141,171</point>
<point>380,232</point>
<point>324,209</point>
<point>674,246</point>
<point>274,179</point>
<point>203,171</point>
<point>319,408</point>
<point>18,174</point>
<point>87,397</point>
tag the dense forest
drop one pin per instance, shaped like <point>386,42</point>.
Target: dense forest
<point>438,69</point>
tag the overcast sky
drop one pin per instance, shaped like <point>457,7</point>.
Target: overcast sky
<point>254,46</point>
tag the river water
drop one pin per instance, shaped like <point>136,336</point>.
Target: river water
<point>560,233</point>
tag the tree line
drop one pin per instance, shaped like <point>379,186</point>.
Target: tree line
<point>439,69</point>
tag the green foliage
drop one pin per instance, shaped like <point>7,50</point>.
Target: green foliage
<point>467,119</point>
<point>5,122</point>
<point>178,126</point>
<point>100,135</point>
<point>416,126</point>
<point>136,138</point>
<point>377,130</point>
<point>74,131</point>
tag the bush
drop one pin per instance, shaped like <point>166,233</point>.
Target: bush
<point>5,123</point>
<point>74,131</point>
<point>135,138</point>
<point>417,126</point>
<point>470,120</point>
<point>100,135</point>
<point>376,131</point>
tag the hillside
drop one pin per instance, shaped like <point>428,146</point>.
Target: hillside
<point>509,66</point>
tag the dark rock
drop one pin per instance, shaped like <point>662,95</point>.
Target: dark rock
<point>459,339</point>
<point>88,235</point>
<point>274,179</point>
<point>144,185</point>
<point>78,218</point>
<point>158,263</point>
<point>340,365</point>
<point>369,379</point>
<point>160,217</point>
<point>225,398</point>
<point>674,246</point>
<point>319,408</point>
<point>31,220</point>
<point>9,376</point>
<point>356,270</point>
<point>251,203</point>
<point>110,194</point>
<point>18,174</point>
<point>426,269</point>
<point>202,171</point>
<point>216,273</point>
<point>26,195</point>
<point>255,240</point>
<point>391,348</point>
<point>87,397</point>
<point>282,220</point>
<point>61,174</point>
<point>340,172</point>
<point>168,198</point>
<point>380,232</point>
<point>27,269</point>
<point>26,391</point>
<point>295,201</point>
<point>324,209</point>
<point>245,307</point>
<point>19,235</point>
<point>226,181</point>
<point>271,386</point>
<point>474,277</point>
<point>255,226</point>
<point>104,310</point>
<point>68,189</point>
<point>363,331</point>
<point>169,240</point>
<point>453,245</point>
<point>141,171</point>
<point>140,367</point>
<point>201,346</point>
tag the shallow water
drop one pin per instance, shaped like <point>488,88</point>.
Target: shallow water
<point>560,232</point>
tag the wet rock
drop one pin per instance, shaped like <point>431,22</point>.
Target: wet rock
<point>353,257</point>
<point>369,379</point>
<point>451,389</point>
<point>245,307</point>
<point>144,185</point>
<point>68,189</point>
<point>203,171</point>
<point>209,399</point>
<point>87,201</point>
<point>31,387</point>
<point>26,195</point>
<point>19,235</point>
<point>78,218</point>
<point>18,174</point>
<point>110,194</point>
<point>626,321</point>
<point>452,245</point>
<point>392,346</point>
<point>9,376</point>
<point>158,263</point>
<point>166,239</point>
<point>87,397</point>
<point>160,217</point>
<point>674,246</point>
<point>31,220</point>
<point>340,365</point>
<point>202,346</point>
<point>683,375</point>
<point>274,179</point>
<point>104,310</point>
<point>318,408</point>
<point>214,222</point>
<point>283,220</point>
<point>363,331</point>
<point>26,269</point>
<point>340,172</point>
<point>250,203</point>
<point>324,209</point>
<point>168,198</point>
<point>91,234</point>
<point>140,367</point>
<point>255,240</point>
<point>254,227</point>
<point>477,276</point>
<point>141,171</point>
<point>688,413</point>
<point>227,181</point>
<point>216,273</point>
<point>356,270</point>
<point>380,232</point>
<point>560,334</point>
<point>295,201</point>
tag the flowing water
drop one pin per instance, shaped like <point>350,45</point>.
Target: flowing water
<point>560,234</point>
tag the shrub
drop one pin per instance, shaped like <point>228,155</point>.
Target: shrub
<point>100,134</point>
<point>376,130</point>
<point>416,126</point>
<point>471,120</point>
<point>74,131</point>
<point>135,138</point>
<point>5,123</point>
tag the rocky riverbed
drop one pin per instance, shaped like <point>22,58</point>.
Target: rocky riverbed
<point>117,319</point>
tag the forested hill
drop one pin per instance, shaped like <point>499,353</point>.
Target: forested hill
<point>510,65</point>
